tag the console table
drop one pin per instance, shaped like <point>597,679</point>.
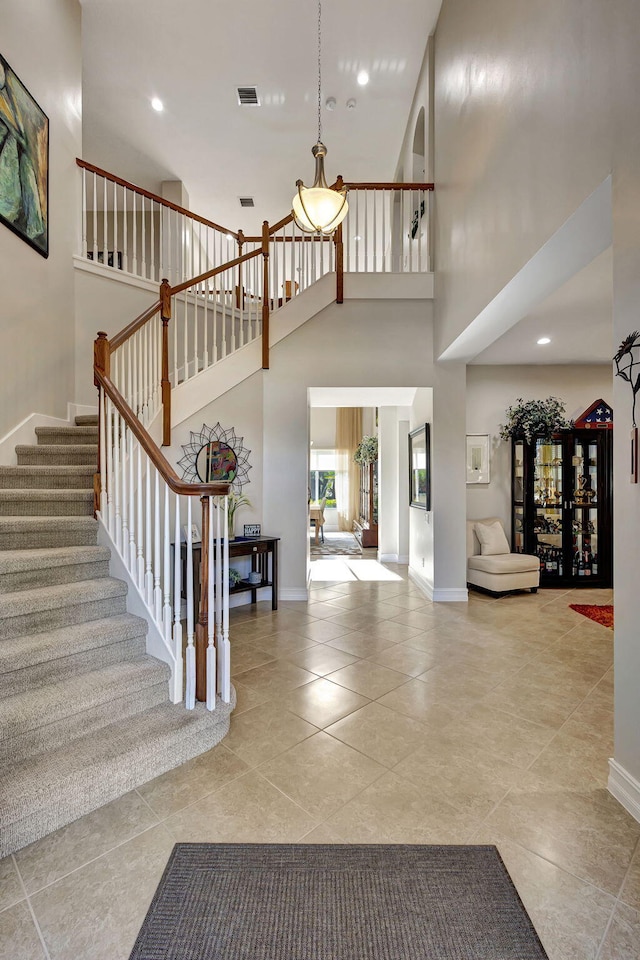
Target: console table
<point>260,549</point>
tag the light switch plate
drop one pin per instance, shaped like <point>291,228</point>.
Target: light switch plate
<point>252,529</point>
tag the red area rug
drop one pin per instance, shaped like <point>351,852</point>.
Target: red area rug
<point>600,613</point>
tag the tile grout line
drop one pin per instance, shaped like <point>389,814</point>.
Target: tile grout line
<point>31,910</point>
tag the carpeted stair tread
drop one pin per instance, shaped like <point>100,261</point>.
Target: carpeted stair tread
<point>46,502</point>
<point>86,420</point>
<point>40,648</point>
<point>16,561</point>
<point>33,532</point>
<point>75,695</point>
<point>42,793</point>
<point>67,435</point>
<point>59,477</point>
<point>57,454</point>
<point>59,596</point>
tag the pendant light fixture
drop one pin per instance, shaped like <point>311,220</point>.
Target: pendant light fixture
<point>319,209</point>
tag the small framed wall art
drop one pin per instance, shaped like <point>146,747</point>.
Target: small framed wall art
<point>478,458</point>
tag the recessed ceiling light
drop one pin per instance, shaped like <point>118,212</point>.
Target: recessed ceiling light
<point>363,78</point>
<point>157,104</point>
<point>544,340</point>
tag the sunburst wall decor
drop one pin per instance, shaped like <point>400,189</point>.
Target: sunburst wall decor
<point>216,454</point>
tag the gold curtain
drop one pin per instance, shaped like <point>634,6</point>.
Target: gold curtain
<point>348,436</point>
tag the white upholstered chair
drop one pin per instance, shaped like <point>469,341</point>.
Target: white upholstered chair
<point>490,563</point>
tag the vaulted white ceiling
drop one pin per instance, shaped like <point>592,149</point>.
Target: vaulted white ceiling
<point>194,54</point>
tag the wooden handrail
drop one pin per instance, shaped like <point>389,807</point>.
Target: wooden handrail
<point>388,186</point>
<point>153,196</point>
<point>214,272</point>
<point>162,465</point>
<point>135,325</point>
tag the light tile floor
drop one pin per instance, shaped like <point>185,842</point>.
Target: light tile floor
<point>371,715</point>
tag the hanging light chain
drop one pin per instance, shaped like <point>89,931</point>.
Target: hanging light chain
<point>319,71</point>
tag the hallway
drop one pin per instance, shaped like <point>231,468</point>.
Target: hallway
<point>371,715</point>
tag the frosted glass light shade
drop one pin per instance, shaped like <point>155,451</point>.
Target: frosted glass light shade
<point>318,209</point>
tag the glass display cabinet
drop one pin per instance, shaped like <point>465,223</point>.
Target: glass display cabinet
<point>562,506</point>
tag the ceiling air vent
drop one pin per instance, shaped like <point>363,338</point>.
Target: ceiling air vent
<point>248,96</point>
<point>246,202</point>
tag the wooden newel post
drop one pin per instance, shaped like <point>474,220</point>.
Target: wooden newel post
<point>165,313</point>
<point>101,355</point>
<point>337,239</point>
<point>102,365</point>
<point>265,295</point>
<point>202,629</point>
<point>239,288</point>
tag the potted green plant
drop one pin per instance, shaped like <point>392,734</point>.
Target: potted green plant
<point>366,451</point>
<point>235,500</point>
<point>527,419</point>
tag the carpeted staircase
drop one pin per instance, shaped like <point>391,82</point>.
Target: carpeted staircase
<point>84,712</point>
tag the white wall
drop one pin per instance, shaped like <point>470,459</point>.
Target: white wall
<point>102,303</point>
<point>529,120</point>
<point>491,389</point>
<point>41,42</point>
<point>349,345</point>
<point>322,427</point>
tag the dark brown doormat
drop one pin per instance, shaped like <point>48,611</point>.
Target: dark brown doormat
<point>336,902</point>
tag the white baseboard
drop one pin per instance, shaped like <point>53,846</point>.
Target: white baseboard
<point>439,594</point>
<point>425,586</point>
<point>392,558</point>
<point>297,593</point>
<point>625,788</point>
<point>451,595</point>
<point>25,431</point>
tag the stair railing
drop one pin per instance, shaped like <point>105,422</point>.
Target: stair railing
<point>127,228</point>
<point>145,507</point>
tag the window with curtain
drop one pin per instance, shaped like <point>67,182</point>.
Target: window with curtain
<point>348,436</point>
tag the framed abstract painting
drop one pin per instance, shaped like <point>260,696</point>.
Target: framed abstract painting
<point>24,162</point>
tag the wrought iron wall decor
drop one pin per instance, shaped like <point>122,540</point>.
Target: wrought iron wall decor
<point>627,364</point>
<point>214,453</point>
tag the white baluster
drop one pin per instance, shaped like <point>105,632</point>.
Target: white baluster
<point>132,509</point>
<point>84,213</point>
<point>125,252</point>
<point>385,200</point>
<point>166,601</point>
<point>95,218</point>
<point>134,267</point>
<point>225,653</point>
<point>221,531</point>
<point>190,696</point>
<point>156,596</point>
<point>174,324</point>
<point>115,225</point>
<point>185,337</point>
<point>110,477</point>
<point>153,242</point>
<point>177,582</point>
<point>125,499</point>
<point>148,547</point>
<point>117,477</point>
<point>105,242</point>
<point>375,229</point>
<point>211,650</point>
<point>143,251</point>
<point>103,458</point>
<point>140,528</point>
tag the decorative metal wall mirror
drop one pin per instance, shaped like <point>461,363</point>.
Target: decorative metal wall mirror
<point>216,454</point>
